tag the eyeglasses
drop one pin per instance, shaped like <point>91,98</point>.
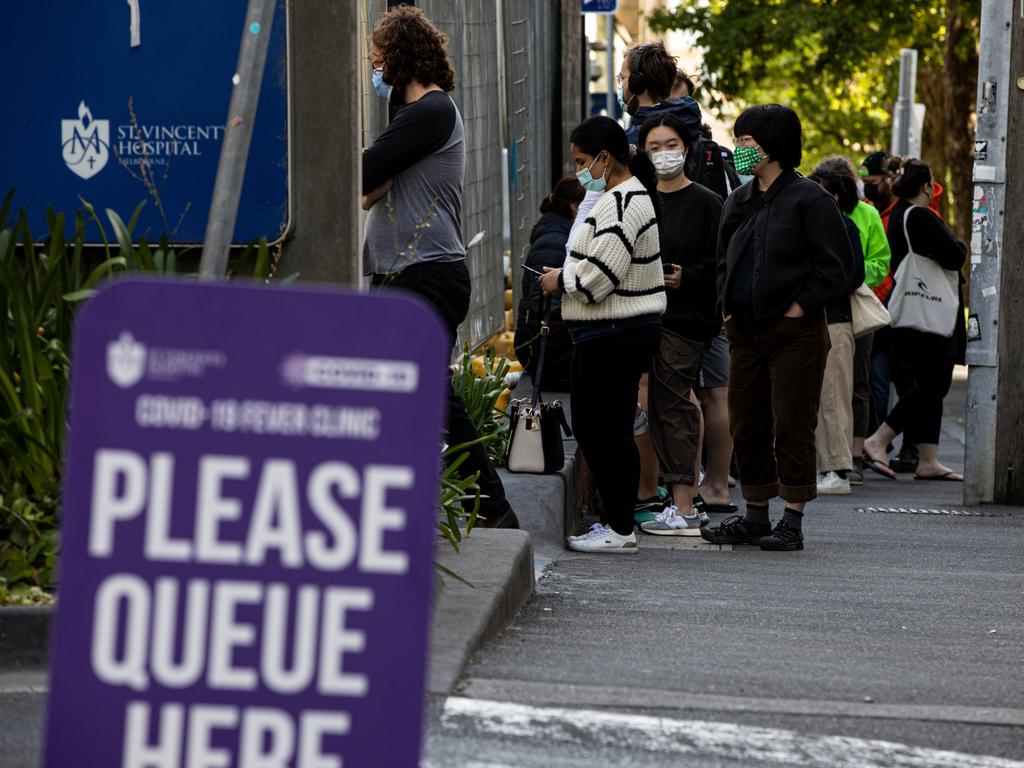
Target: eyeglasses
<point>618,79</point>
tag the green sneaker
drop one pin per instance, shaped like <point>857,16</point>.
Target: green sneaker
<point>647,510</point>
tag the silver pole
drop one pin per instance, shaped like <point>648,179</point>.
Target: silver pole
<point>610,19</point>
<point>994,81</point>
<point>234,151</point>
<point>902,118</point>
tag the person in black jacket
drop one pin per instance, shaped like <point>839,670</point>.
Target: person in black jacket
<point>783,255</point>
<point>929,356</point>
<point>547,249</point>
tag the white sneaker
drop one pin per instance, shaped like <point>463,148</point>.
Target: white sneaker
<point>832,484</point>
<point>640,425</point>
<point>601,538</point>
<point>671,523</point>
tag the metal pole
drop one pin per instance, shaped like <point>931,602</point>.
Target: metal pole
<point>610,20</point>
<point>902,115</point>
<point>987,231</point>
<point>234,151</point>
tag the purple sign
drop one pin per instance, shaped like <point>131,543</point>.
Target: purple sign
<point>248,529</point>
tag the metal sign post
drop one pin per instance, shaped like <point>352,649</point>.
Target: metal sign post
<point>902,119</point>
<point>986,247</point>
<point>234,153</point>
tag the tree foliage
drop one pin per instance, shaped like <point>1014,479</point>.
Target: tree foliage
<point>837,63</point>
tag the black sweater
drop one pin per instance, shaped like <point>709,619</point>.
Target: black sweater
<point>689,238</point>
<point>931,238</point>
<point>787,244</point>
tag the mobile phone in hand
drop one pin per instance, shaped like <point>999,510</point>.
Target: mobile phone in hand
<point>531,269</point>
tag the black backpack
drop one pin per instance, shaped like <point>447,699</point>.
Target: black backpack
<point>707,165</point>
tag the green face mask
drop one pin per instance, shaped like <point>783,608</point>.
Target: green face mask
<point>745,158</point>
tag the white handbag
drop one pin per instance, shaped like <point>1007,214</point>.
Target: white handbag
<point>535,443</point>
<point>869,314</point>
<point>925,296</point>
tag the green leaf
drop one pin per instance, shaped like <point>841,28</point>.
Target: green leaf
<point>75,296</point>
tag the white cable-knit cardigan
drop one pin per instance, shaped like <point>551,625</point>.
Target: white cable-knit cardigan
<point>613,270</point>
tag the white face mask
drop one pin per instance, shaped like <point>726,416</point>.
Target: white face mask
<point>669,163</point>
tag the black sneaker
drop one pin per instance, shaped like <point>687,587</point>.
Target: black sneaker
<point>785,538</point>
<point>733,530</point>
<point>906,460</point>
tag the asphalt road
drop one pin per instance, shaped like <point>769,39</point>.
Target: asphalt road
<point>893,639</point>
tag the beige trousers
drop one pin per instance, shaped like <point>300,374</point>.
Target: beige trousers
<point>834,435</point>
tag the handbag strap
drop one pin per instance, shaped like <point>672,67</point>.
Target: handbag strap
<point>545,329</point>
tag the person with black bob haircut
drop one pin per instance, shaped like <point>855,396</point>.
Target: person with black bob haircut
<point>614,296</point>
<point>930,357</point>
<point>783,255</point>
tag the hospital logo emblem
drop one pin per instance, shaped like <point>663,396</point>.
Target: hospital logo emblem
<point>85,143</point>
<point>126,361</point>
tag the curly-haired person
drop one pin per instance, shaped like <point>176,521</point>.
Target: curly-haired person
<point>412,186</point>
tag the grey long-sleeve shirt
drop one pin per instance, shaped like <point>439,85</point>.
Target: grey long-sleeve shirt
<point>420,220</point>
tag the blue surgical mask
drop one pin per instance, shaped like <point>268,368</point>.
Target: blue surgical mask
<point>383,89</point>
<point>588,182</point>
<point>619,96</point>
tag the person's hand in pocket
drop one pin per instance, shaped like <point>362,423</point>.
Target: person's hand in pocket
<point>794,311</point>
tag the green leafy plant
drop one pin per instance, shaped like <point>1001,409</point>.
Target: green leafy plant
<point>480,382</point>
<point>41,287</point>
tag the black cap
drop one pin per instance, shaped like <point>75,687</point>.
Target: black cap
<point>874,164</point>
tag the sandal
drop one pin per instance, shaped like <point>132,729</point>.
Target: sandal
<point>876,465</point>
<point>949,477</point>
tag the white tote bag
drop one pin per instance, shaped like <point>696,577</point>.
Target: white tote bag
<point>925,296</point>
<point>869,314</point>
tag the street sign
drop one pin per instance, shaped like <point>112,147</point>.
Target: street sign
<point>600,6</point>
<point>122,102</point>
<point>248,529</point>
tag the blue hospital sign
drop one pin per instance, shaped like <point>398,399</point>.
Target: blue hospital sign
<point>133,108</point>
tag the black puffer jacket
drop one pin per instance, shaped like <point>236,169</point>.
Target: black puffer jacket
<point>547,249</point>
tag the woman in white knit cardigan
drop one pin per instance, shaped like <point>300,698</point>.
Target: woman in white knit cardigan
<point>614,298</point>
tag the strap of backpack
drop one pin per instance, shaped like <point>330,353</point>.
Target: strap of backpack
<point>545,329</point>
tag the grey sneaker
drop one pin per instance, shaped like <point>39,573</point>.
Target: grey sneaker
<point>671,523</point>
<point>855,476</point>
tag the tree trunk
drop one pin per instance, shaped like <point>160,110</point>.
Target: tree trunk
<point>961,72</point>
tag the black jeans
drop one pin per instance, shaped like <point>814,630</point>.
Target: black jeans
<point>603,385</point>
<point>776,368</point>
<point>446,287</point>
<point>930,360</point>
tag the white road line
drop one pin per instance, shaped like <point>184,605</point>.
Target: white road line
<point>664,736</point>
<point>575,695</point>
<point>23,683</point>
